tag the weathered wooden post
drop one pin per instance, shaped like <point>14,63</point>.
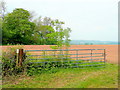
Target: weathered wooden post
<point>20,57</point>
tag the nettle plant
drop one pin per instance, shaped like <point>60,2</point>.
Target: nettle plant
<point>50,63</point>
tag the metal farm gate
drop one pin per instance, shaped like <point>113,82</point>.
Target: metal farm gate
<point>67,57</point>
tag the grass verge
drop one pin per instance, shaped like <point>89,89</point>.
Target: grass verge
<point>67,78</point>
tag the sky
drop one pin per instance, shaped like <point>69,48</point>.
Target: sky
<point>88,19</point>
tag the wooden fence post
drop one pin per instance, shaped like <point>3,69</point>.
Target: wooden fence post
<point>20,57</point>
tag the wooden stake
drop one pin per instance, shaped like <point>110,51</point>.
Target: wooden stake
<point>20,57</point>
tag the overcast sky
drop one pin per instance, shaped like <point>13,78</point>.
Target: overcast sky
<point>88,19</point>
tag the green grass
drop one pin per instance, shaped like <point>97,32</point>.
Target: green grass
<point>67,78</point>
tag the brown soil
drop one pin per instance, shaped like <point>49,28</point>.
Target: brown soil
<point>111,50</point>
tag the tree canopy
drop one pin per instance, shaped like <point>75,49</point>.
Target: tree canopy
<point>51,31</point>
<point>18,28</point>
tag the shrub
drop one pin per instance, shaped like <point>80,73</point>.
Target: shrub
<point>48,65</point>
<point>9,62</point>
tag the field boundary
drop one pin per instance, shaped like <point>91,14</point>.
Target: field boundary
<point>64,57</point>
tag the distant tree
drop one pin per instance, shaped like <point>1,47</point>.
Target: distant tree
<point>17,28</point>
<point>86,43</point>
<point>91,43</point>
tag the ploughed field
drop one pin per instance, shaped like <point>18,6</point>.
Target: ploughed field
<point>111,50</point>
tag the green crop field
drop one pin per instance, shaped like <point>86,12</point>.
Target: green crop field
<point>67,78</point>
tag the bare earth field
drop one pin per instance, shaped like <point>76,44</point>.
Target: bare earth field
<point>111,50</point>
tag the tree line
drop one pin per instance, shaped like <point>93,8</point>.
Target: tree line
<point>19,27</point>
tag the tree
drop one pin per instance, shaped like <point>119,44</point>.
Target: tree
<point>67,40</point>
<point>17,28</point>
<point>2,9</point>
<point>2,14</point>
<point>51,32</point>
<point>44,30</point>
